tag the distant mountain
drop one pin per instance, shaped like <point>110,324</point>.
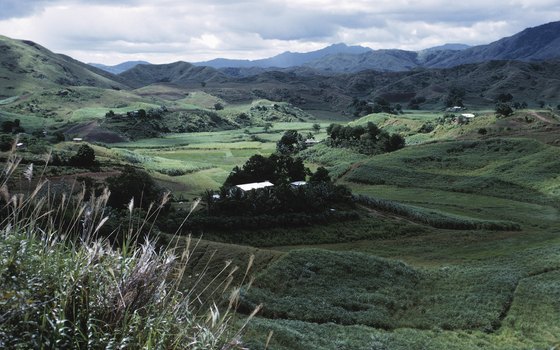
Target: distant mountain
<point>286,59</point>
<point>178,73</point>
<point>119,68</point>
<point>450,47</point>
<point>380,60</point>
<point>532,44</point>
<point>26,66</point>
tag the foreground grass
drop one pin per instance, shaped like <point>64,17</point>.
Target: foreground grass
<point>62,287</point>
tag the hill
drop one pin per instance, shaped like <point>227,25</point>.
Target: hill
<point>286,59</point>
<point>26,66</point>
<point>532,44</point>
<point>119,68</point>
<point>178,73</point>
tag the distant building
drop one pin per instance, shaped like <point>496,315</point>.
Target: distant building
<point>311,142</point>
<point>468,115</point>
<point>454,109</point>
<point>298,183</point>
<point>77,139</point>
<point>254,186</point>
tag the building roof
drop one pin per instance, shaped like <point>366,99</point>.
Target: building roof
<point>468,115</point>
<point>298,183</point>
<point>254,185</point>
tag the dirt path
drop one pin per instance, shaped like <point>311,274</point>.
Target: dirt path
<point>542,118</point>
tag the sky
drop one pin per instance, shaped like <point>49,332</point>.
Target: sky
<point>164,31</point>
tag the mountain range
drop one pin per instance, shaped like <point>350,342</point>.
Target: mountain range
<point>527,65</point>
<point>532,44</point>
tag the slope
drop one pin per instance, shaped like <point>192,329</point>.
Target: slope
<point>26,66</point>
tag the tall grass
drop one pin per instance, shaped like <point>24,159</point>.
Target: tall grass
<point>64,287</point>
<point>434,218</point>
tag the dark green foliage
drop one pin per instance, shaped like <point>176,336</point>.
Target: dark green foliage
<point>85,157</point>
<point>284,198</point>
<point>426,128</point>
<point>6,142</point>
<point>316,127</point>
<point>12,127</point>
<point>320,175</point>
<point>367,140</point>
<point>455,97</point>
<point>133,183</point>
<point>504,109</point>
<point>291,142</point>
<point>276,168</point>
<point>218,106</point>
<point>434,218</point>
<point>482,131</point>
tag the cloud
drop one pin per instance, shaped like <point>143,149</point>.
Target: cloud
<point>191,30</point>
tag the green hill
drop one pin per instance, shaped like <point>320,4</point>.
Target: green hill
<point>26,66</point>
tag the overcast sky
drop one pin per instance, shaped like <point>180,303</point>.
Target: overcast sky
<point>163,31</point>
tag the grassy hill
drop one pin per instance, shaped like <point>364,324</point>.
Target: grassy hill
<point>26,66</point>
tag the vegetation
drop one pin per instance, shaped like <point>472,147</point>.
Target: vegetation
<point>367,140</point>
<point>65,287</point>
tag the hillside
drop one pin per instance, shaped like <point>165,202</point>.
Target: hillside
<point>118,68</point>
<point>286,59</point>
<point>532,44</point>
<point>178,73</point>
<point>26,66</point>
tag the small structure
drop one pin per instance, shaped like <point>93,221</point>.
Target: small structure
<point>254,186</point>
<point>20,145</point>
<point>311,142</point>
<point>298,183</point>
<point>77,139</point>
<point>216,196</point>
<point>454,109</point>
<point>468,115</point>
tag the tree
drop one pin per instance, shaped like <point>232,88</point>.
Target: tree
<point>133,183</point>
<point>218,106</point>
<point>503,109</point>
<point>291,142</point>
<point>316,127</point>
<point>321,175</point>
<point>394,143</point>
<point>85,157</point>
<point>267,126</point>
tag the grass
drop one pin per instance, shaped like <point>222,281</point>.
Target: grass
<point>518,169</point>
<point>64,286</point>
<point>435,218</point>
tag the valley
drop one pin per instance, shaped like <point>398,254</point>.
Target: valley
<point>449,240</point>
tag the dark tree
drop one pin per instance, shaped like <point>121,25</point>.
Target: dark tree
<point>133,183</point>
<point>291,142</point>
<point>503,109</point>
<point>316,127</point>
<point>85,157</point>
<point>218,106</point>
<point>394,143</point>
<point>321,175</point>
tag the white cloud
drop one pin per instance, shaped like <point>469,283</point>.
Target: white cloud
<point>170,30</point>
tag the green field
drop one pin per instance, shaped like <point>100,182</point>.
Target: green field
<point>458,249</point>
